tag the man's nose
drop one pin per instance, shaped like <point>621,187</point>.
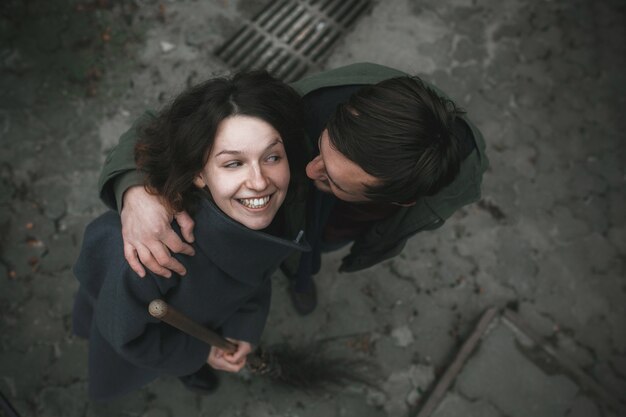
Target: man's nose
<point>316,170</point>
<point>257,179</point>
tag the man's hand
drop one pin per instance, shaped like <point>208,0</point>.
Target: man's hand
<point>230,362</point>
<point>147,233</point>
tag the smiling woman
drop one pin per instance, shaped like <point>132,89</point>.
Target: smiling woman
<point>221,122</point>
<point>247,179</point>
<point>227,150</point>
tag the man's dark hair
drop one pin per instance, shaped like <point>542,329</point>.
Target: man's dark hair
<point>399,131</point>
<point>174,147</point>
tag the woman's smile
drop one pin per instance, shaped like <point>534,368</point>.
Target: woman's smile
<point>256,202</point>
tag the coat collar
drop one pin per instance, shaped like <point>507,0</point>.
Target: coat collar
<point>246,255</point>
<point>354,74</point>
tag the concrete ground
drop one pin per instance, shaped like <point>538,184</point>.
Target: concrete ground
<point>545,82</point>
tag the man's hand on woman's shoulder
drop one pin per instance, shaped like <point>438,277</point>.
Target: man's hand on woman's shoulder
<point>148,236</point>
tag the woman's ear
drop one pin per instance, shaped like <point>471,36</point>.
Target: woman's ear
<point>199,181</point>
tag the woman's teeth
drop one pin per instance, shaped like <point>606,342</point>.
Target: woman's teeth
<point>255,203</point>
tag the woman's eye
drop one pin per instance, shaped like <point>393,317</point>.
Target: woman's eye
<point>233,164</point>
<point>273,158</point>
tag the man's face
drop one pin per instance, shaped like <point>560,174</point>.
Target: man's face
<point>333,173</point>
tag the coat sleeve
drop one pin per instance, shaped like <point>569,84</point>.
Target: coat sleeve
<point>122,318</point>
<point>119,171</point>
<point>358,73</point>
<point>248,322</point>
<point>386,239</point>
<point>353,263</point>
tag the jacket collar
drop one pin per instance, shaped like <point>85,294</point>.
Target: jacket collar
<point>246,255</point>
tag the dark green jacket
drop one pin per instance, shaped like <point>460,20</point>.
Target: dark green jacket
<point>386,238</point>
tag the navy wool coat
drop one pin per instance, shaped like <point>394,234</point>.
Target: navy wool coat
<point>227,288</point>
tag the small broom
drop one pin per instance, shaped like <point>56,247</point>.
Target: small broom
<point>307,368</point>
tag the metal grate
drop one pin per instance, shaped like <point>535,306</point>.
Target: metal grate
<point>289,37</point>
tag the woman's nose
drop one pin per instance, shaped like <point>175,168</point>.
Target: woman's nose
<point>316,170</point>
<point>257,179</point>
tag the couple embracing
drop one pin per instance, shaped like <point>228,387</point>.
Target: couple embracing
<point>240,176</point>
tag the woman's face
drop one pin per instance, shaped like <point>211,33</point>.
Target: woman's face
<point>247,171</point>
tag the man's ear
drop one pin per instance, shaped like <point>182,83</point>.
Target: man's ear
<point>199,181</point>
<point>409,204</point>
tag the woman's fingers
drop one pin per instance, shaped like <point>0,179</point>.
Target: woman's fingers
<point>217,360</point>
<point>243,350</point>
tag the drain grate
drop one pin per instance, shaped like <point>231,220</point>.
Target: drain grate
<point>289,37</point>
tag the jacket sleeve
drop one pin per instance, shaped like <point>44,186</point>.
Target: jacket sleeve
<point>358,73</point>
<point>387,238</point>
<point>353,263</point>
<point>248,322</point>
<point>122,318</point>
<point>119,171</point>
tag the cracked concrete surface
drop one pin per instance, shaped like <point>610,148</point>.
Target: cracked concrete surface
<point>544,81</point>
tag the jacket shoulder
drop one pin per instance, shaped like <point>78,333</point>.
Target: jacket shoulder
<point>121,159</point>
<point>360,73</point>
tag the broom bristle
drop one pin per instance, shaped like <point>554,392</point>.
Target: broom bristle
<point>311,368</point>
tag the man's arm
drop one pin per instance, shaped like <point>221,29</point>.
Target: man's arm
<point>119,171</point>
<point>148,235</point>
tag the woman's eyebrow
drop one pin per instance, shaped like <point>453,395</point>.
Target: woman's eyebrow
<point>227,152</point>
<point>236,152</point>
<point>271,145</point>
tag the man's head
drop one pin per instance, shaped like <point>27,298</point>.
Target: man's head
<point>391,142</point>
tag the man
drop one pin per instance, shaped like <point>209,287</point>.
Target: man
<point>391,157</point>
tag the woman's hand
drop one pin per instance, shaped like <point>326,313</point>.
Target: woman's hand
<point>147,233</point>
<point>230,362</point>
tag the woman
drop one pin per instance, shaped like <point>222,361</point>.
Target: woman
<point>228,151</point>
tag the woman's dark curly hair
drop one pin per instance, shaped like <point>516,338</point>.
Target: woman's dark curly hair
<point>174,147</point>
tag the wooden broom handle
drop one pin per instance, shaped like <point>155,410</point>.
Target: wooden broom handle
<point>161,310</point>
